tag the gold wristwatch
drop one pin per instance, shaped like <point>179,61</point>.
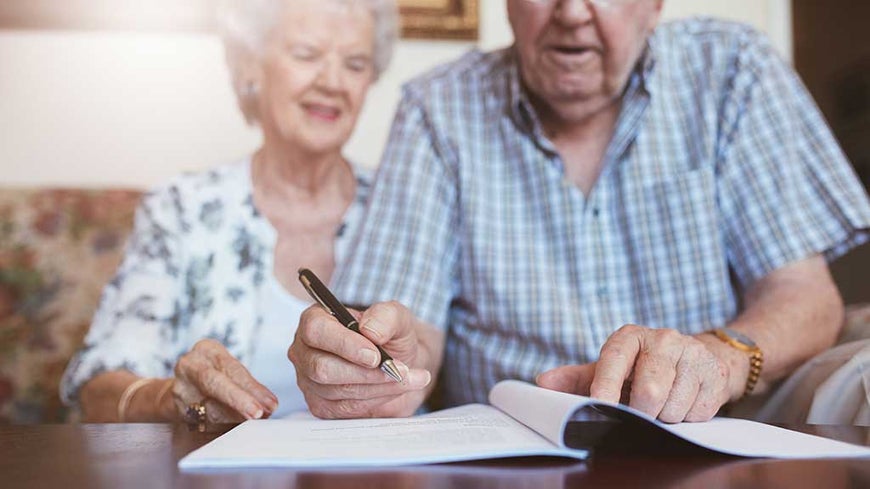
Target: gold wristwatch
<point>744,343</point>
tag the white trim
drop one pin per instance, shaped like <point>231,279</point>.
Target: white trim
<point>779,27</point>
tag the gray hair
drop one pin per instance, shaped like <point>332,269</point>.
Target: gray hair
<point>244,26</point>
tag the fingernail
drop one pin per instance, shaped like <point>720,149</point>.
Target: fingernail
<point>544,380</point>
<point>255,414</point>
<point>374,327</point>
<point>404,371</point>
<point>272,405</point>
<point>419,378</point>
<point>269,402</point>
<point>369,357</point>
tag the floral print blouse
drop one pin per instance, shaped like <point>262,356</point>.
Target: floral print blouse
<point>195,262</point>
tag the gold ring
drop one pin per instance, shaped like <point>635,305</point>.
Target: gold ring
<point>196,415</point>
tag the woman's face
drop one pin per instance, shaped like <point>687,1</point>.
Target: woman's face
<point>316,69</point>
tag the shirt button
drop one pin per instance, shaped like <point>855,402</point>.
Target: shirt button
<point>595,212</point>
<point>602,292</point>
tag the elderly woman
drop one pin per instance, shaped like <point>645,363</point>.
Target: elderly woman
<point>197,322</point>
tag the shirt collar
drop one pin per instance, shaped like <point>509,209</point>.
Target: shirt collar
<point>646,65</point>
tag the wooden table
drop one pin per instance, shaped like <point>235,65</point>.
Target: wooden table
<point>130,456</point>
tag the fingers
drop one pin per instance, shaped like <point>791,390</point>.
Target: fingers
<point>574,379</point>
<point>390,323</point>
<point>325,368</point>
<point>415,380</point>
<point>358,401</point>
<point>655,371</point>
<point>670,376</point>
<point>224,362</point>
<point>218,412</point>
<point>209,372</point>
<point>713,392</point>
<point>336,388</point>
<point>318,330</point>
<point>683,393</point>
<point>338,369</point>
<point>615,363</point>
<point>216,385</point>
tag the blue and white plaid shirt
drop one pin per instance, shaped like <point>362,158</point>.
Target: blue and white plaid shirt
<point>720,171</point>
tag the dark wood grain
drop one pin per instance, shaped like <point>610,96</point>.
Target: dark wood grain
<point>145,456</point>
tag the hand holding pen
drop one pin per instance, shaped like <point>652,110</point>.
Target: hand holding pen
<point>324,297</point>
<point>337,357</point>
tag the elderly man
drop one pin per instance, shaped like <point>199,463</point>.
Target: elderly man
<point>608,207</point>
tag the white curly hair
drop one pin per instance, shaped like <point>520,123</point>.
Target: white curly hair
<point>244,26</point>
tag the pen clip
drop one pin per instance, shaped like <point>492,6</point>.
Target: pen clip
<point>307,284</point>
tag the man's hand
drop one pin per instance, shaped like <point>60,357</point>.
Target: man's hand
<point>338,369</point>
<point>670,376</point>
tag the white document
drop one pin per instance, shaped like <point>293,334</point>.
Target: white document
<point>523,420</point>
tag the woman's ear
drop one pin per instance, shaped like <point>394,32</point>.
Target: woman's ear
<point>251,89</point>
<point>248,84</point>
<point>655,15</point>
<point>252,75</point>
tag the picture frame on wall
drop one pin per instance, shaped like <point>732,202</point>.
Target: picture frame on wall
<point>420,19</point>
<point>439,19</point>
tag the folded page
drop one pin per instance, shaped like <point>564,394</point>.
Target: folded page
<point>548,413</point>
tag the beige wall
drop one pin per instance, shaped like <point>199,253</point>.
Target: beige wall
<point>109,108</point>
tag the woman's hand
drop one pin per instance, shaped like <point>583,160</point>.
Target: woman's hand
<point>208,374</point>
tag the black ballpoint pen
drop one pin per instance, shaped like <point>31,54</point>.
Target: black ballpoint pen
<point>324,297</point>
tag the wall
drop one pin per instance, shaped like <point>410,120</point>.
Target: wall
<point>110,108</point>
<point>832,55</point>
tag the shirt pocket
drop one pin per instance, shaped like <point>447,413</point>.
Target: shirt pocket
<point>679,254</point>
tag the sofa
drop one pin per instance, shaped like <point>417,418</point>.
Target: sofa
<point>58,247</point>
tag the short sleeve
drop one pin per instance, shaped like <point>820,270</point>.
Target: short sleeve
<point>786,190</point>
<point>406,248</point>
<point>136,325</point>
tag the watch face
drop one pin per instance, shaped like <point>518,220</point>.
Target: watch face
<point>739,337</point>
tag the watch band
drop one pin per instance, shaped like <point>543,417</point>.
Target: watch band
<point>744,343</point>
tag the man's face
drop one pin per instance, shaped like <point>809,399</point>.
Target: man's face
<point>576,55</point>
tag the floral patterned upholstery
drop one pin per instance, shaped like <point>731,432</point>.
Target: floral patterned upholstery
<point>58,248</point>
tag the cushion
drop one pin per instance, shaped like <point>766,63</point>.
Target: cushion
<point>857,324</point>
<point>58,248</point>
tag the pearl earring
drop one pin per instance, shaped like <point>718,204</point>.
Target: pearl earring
<point>251,89</point>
